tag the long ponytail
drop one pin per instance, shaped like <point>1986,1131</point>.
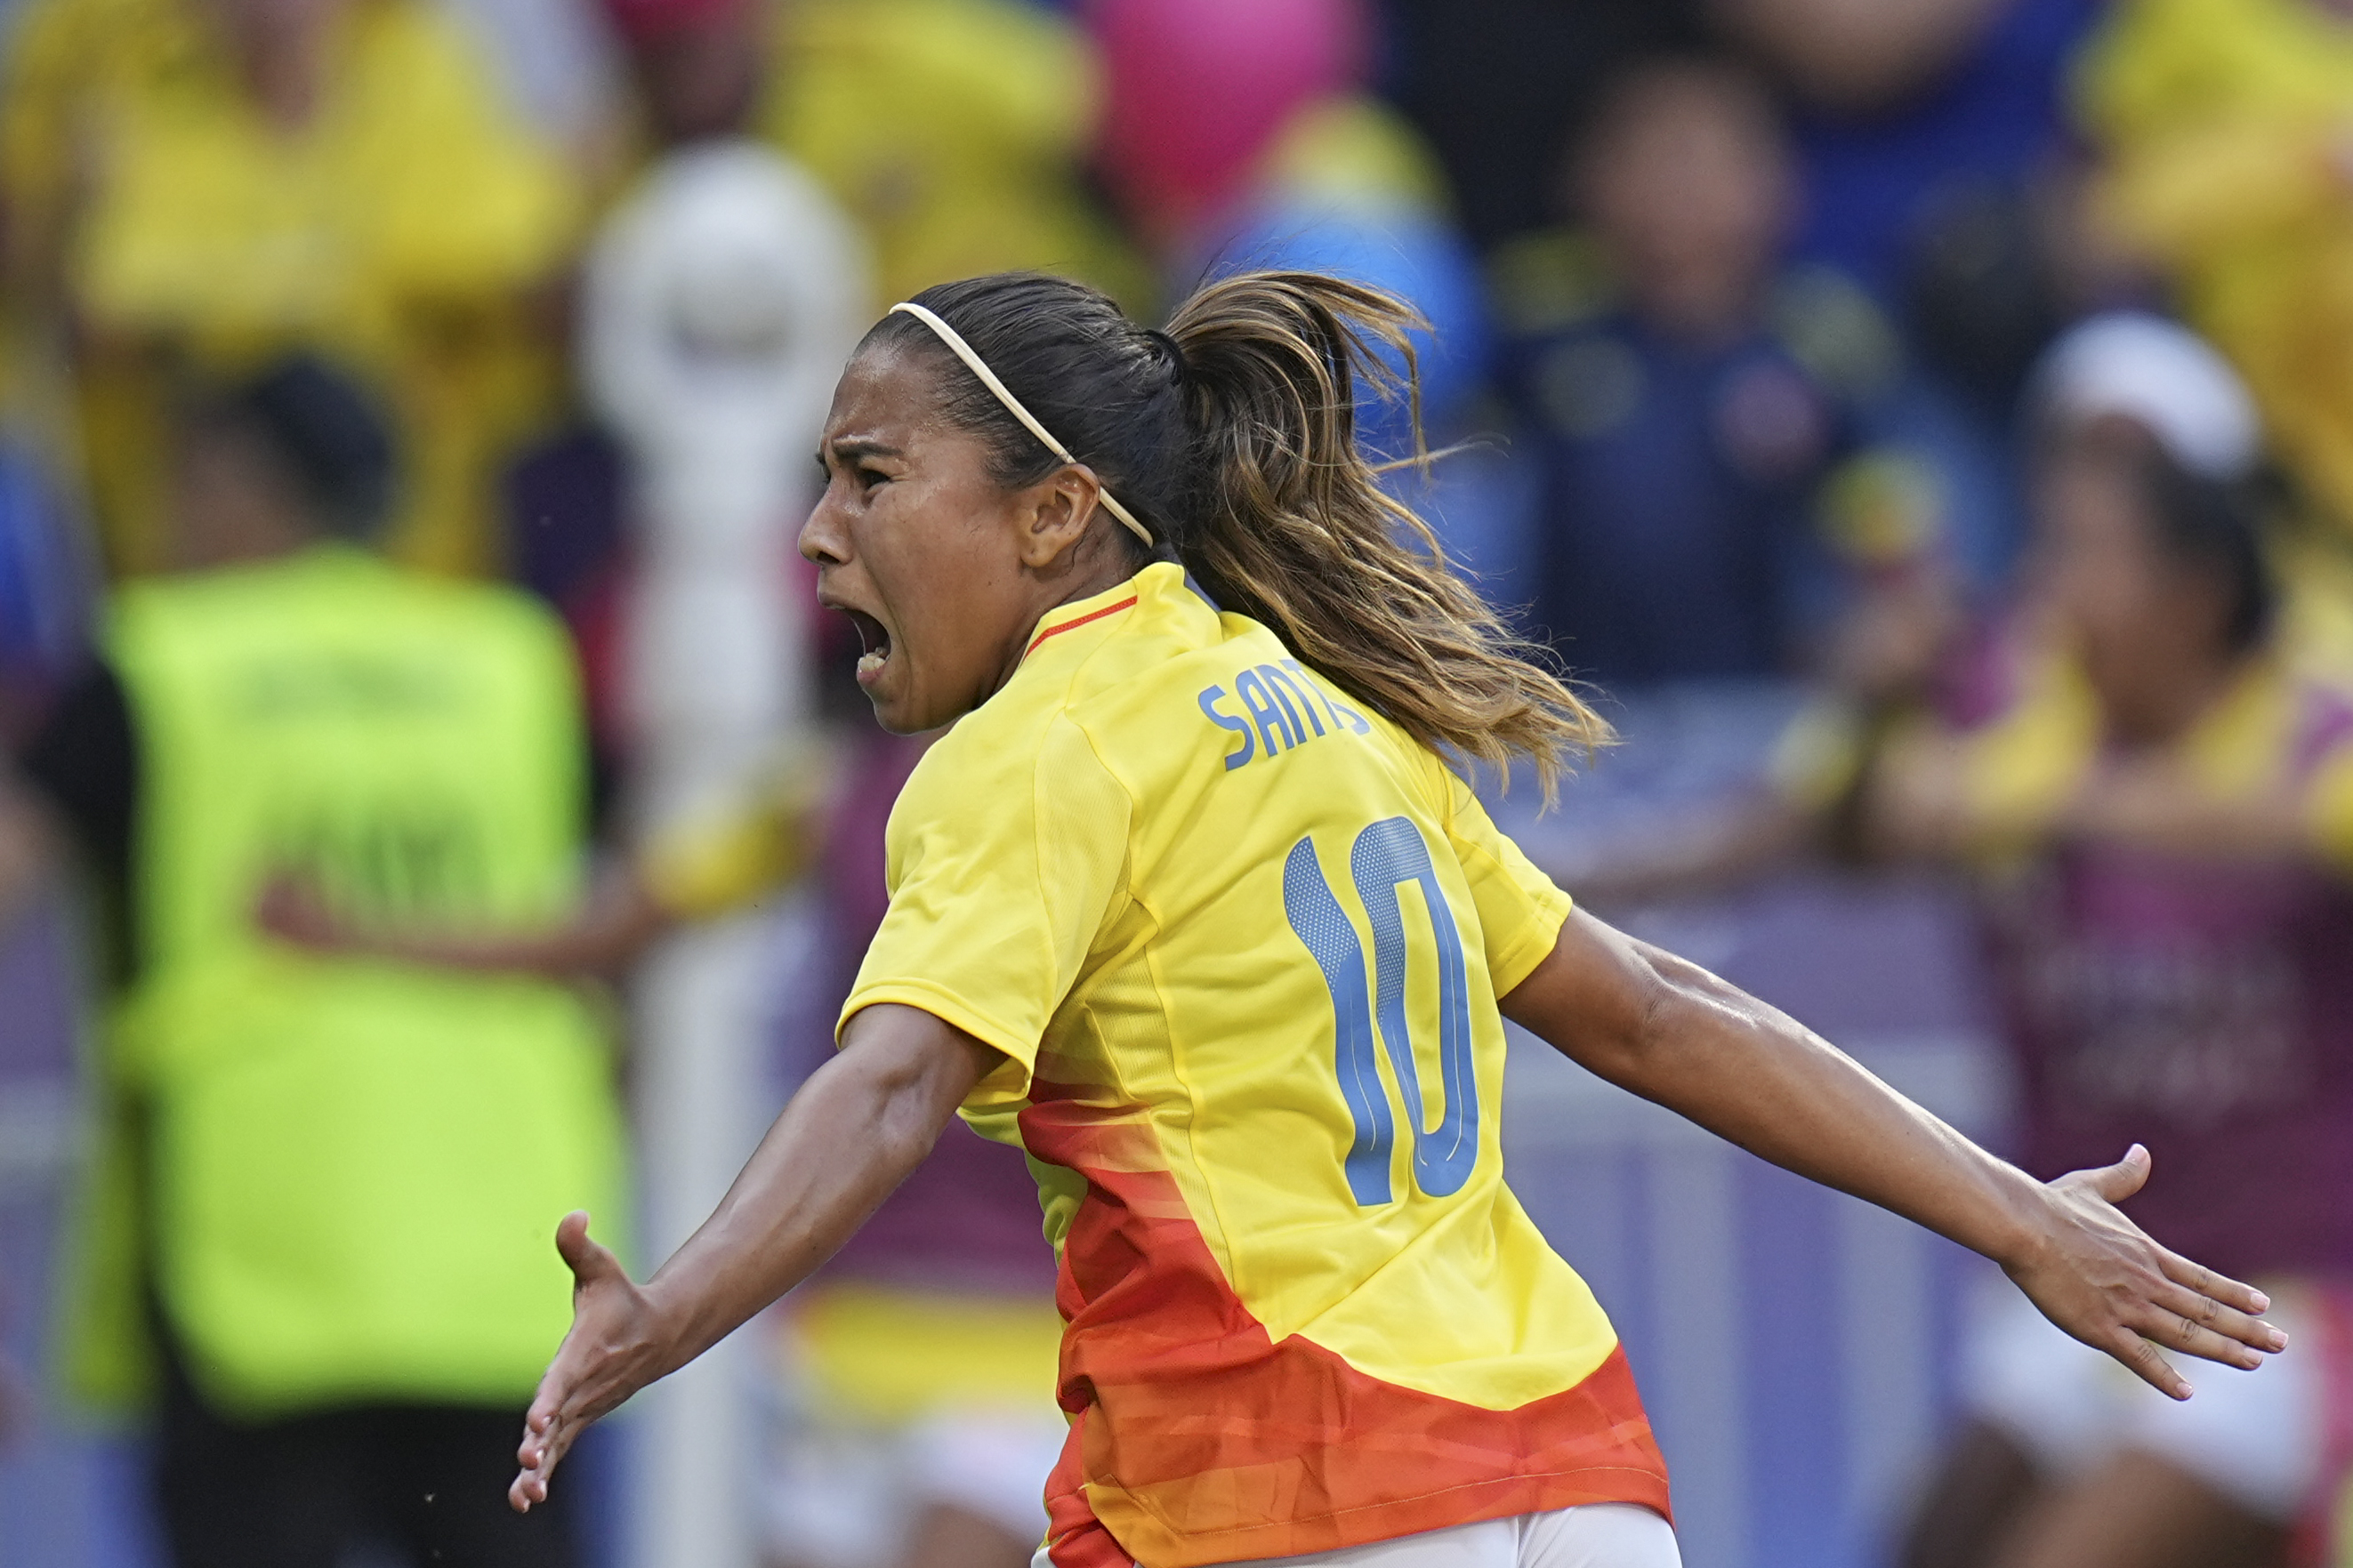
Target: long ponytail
<point>1296,531</point>
<point>1232,436</point>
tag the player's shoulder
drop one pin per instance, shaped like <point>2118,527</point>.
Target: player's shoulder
<point>1187,689</point>
<point>1108,666</point>
<point>1158,689</point>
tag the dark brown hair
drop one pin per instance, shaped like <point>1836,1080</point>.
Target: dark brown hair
<point>1232,436</point>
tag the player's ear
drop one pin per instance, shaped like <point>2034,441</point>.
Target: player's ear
<point>1055,514</point>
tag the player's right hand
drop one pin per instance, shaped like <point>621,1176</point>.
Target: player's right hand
<point>616,1347</point>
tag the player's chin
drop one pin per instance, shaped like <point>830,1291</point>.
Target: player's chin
<point>902,705</point>
<point>895,708</point>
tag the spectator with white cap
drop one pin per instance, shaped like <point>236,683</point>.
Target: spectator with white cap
<point>2156,804</point>
<point>2129,365</point>
<point>2159,810</point>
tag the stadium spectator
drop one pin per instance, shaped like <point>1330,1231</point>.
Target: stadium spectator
<point>2160,808</point>
<point>2224,130</point>
<point>922,1350</point>
<point>952,130</point>
<point>1936,172</point>
<point>1498,85</point>
<point>1689,401</point>
<point>194,187</point>
<point>2224,127</point>
<point>305,1233</point>
<point>955,131</point>
<point>1906,114</point>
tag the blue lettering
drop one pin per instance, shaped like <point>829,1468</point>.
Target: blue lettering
<point>1282,683</point>
<point>1208,700</point>
<point>1274,685</point>
<point>1316,916</point>
<point>1272,732</point>
<point>1341,712</point>
<point>1386,854</point>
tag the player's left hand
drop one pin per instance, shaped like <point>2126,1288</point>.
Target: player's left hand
<point>617,1346</point>
<point>2098,1276</point>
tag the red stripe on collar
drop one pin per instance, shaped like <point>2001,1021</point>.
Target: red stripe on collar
<point>1127,604</point>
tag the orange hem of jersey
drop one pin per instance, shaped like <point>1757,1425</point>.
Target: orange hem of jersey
<point>1127,604</point>
<point>1199,1440</point>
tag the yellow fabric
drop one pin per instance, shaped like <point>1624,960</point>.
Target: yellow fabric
<point>756,842</point>
<point>953,132</point>
<point>2225,125</point>
<point>352,1169</point>
<point>2021,771</point>
<point>885,1355</point>
<point>396,230</point>
<point>2328,810</point>
<point>1098,873</point>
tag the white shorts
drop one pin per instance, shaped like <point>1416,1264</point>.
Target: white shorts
<point>1597,1535</point>
<point>2258,1437</point>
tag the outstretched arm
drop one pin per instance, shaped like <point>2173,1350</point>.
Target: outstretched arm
<point>853,1132</point>
<point>610,931</point>
<point>1673,1033</point>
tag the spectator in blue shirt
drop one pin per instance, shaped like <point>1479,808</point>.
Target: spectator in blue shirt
<point>1700,416</point>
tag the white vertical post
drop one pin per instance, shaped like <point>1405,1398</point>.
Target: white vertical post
<point>722,301</point>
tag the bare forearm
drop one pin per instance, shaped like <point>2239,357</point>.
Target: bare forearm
<point>610,932</point>
<point>1676,1035</point>
<point>856,1130</point>
<point>565,954</point>
<point>1756,1077</point>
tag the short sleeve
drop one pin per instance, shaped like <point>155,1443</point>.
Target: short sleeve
<point>1521,911</point>
<point>1007,856</point>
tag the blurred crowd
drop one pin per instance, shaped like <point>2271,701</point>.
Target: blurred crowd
<point>406,405</point>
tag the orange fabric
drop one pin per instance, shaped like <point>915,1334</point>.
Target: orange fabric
<point>1196,1439</point>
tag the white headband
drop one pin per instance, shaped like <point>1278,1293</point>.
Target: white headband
<point>974,363</point>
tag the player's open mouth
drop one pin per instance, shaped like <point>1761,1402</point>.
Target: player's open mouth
<point>874,638</point>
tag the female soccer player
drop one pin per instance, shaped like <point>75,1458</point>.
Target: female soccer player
<point>1194,905</point>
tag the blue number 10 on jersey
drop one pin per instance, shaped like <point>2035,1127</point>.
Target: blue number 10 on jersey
<point>1388,855</point>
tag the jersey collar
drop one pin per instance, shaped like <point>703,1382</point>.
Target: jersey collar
<point>1090,610</point>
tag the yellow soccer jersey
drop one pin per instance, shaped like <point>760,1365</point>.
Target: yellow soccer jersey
<point>1240,940</point>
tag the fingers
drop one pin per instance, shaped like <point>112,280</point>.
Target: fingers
<point>2181,1331</point>
<point>2218,1287</point>
<point>2244,1335</point>
<point>588,1259</point>
<point>545,1440</point>
<point>2149,1364</point>
<point>2118,1182</point>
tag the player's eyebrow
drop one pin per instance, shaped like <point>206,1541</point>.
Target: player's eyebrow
<point>850,450</point>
